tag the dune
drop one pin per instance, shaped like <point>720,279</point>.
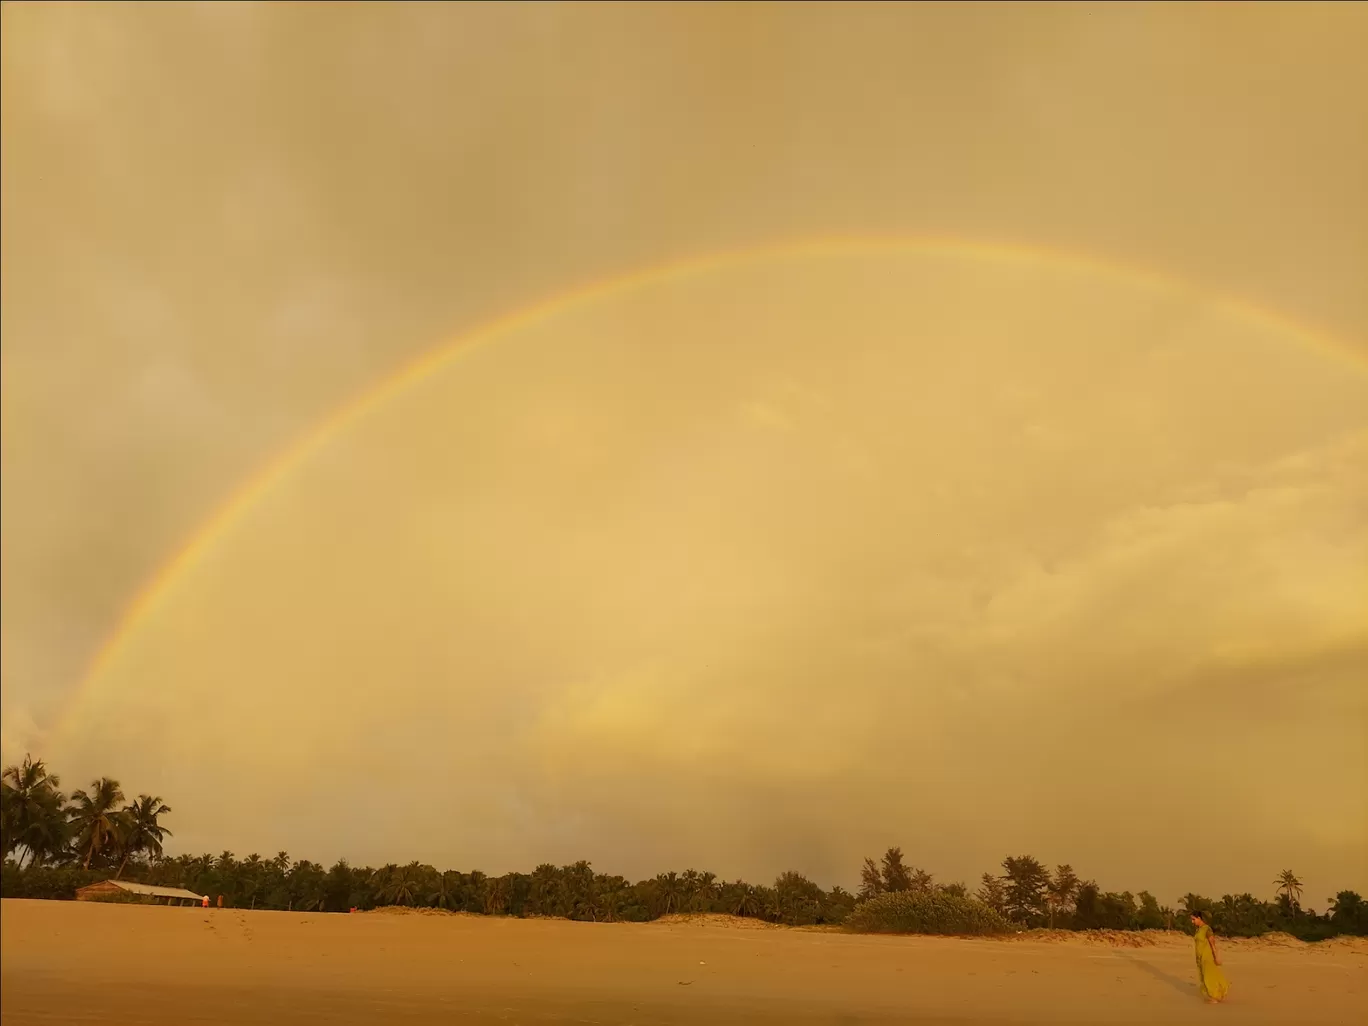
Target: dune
<point>70,962</point>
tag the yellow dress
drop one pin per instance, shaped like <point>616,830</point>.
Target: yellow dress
<point>1210,979</point>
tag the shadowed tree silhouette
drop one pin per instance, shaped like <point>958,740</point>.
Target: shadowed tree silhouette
<point>31,810</point>
<point>142,833</point>
<point>669,891</point>
<point>1026,883</point>
<point>871,880</point>
<point>446,891</point>
<point>895,874</point>
<point>921,882</point>
<point>993,893</point>
<point>1061,892</point>
<point>91,832</point>
<point>1289,888</point>
<point>94,818</point>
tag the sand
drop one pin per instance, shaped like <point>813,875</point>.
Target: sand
<point>76,962</point>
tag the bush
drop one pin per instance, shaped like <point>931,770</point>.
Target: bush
<point>47,881</point>
<point>929,912</point>
<point>1349,913</point>
<point>1243,915</point>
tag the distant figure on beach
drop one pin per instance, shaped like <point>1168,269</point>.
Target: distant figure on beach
<point>220,901</point>
<point>1210,979</point>
<point>206,901</point>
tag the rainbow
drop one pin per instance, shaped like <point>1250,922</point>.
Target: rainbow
<point>154,591</point>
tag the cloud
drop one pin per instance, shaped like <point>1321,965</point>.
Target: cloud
<point>1035,516</point>
<point>20,735</point>
<point>606,617</point>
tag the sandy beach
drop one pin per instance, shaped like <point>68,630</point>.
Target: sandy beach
<point>70,962</point>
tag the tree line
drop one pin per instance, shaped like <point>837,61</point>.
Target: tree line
<point>55,843</point>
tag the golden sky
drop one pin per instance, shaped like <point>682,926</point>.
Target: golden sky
<point>766,566</point>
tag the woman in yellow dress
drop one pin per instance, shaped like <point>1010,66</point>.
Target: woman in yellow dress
<point>1210,979</point>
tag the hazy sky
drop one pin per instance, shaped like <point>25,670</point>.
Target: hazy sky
<point>765,567</point>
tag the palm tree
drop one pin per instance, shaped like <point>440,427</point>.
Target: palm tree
<point>745,901</point>
<point>688,887</point>
<point>498,892</point>
<point>306,886</point>
<point>669,892</point>
<point>142,832</point>
<point>895,874</point>
<point>95,818</point>
<point>1289,887</point>
<point>545,889</point>
<point>707,891</point>
<point>445,890</point>
<point>400,885</point>
<point>578,891</point>
<point>32,812</point>
<point>611,904</point>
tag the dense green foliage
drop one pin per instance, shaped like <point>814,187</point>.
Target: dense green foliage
<point>572,892</point>
<point>928,911</point>
<point>55,844</point>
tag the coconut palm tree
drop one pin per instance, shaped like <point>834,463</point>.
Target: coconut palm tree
<point>579,891</point>
<point>1289,887</point>
<point>497,892</point>
<point>706,893</point>
<point>546,889</point>
<point>31,804</point>
<point>95,819</point>
<point>744,901</point>
<point>611,904</point>
<point>400,885</point>
<point>668,892</point>
<point>895,872</point>
<point>306,886</point>
<point>444,890</point>
<point>142,832</point>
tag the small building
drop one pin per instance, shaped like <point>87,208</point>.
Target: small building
<point>106,889</point>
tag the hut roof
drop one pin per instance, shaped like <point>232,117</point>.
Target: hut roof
<point>133,887</point>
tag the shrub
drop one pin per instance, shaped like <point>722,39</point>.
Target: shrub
<point>47,881</point>
<point>926,912</point>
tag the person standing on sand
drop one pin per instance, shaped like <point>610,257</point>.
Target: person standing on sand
<point>1210,980</point>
